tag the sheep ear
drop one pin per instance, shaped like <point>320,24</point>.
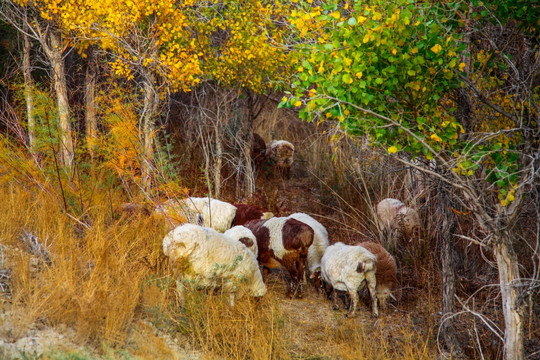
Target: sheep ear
<point>360,267</point>
<point>312,276</point>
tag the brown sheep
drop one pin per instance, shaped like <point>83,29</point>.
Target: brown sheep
<point>386,271</point>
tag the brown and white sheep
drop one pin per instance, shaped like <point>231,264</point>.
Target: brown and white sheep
<point>345,268</point>
<point>317,249</point>
<point>283,242</point>
<point>386,273</point>
<point>280,154</point>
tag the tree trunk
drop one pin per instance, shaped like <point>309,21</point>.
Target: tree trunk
<point>60,86</point>
<point>28,91</point>
<point>250,174</point>
<point>90,102</point>
<point>218,163</point>
<point>509,280</point>
<point>449,259</point>
<point>149,112</point>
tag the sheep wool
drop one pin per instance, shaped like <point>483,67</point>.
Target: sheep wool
<point>320,241</point>
<point>217,214</point>
<point>245,236</point>
<point>395,215</point>
<point>386,274</point>
<point>210,259</point>
<point>345,267</point>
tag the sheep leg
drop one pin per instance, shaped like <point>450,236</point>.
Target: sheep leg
<point>353,295</point>
<point>382,301</point>
<point>371,284</point>
<point>316,276</point>
<point>334,295</point>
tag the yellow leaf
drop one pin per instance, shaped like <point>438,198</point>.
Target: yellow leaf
<point>414,50</point>
<point>377,16</point>
<point>284,99</point>
<point>461,66</point>
<point>436,48</point>
<point>394,51</point>
<point>366,38</point>
<point>298,103</point>
<point>359,74</point>
<point>392,149</point>
<point>435,137</point>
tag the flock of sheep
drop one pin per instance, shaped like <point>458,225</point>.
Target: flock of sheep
<point>226,246</point>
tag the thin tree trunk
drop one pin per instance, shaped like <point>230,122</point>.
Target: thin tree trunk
<point>90,102</point>
<point>149,112</point>
<point>509,280</point>
<point>218,161</point>
<point>449,265</point>
<point>250,174</point>
<point>28,91</point>
<point>60,85</point>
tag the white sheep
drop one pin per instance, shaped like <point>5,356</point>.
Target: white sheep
<point>177,212</point>
<point>345,268</point>
<point>208,259</point>
<point>212,213</point>
<point>316,250</point>
<point>245,236</point>
<point>397,217</point>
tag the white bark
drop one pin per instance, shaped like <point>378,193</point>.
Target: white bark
<point>90,102</point>
<point>509,280</point>
<point>28,92</point>
<point>149,113</point>
<point>54,53</point>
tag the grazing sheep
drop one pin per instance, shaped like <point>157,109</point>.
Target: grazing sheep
<point>345,268</point>
<point>209,259</point>
<point>283,242</point>
<point>386,271</point>
<point>398,218</point>
<point>177,212</point>
<point>244,213</point>
<point>316,250</point>
<point>214,213</point>
<point>245,236</point>
<point>280,154</point>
